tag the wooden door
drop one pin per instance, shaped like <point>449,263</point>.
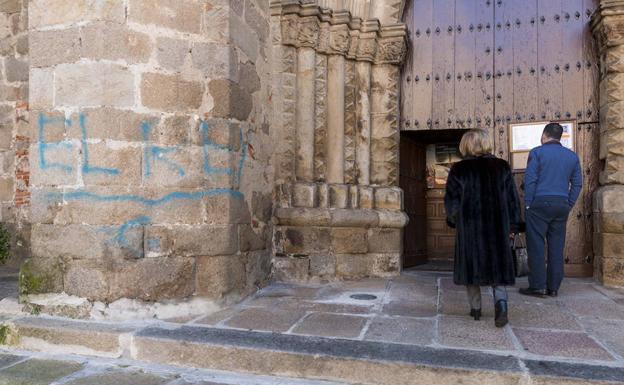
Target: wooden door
<point>489,63</point>
<point>440,237</point>
<point>413,181</point>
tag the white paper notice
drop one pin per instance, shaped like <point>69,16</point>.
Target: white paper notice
<point>525,137</point>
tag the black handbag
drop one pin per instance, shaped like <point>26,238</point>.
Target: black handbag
<point>520,256</point>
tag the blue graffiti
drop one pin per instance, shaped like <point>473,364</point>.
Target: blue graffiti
<point>153,153</point>
<point>86,167</point>
<point>121,238</point>
<point>44,146</point>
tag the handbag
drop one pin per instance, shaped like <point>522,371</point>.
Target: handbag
<point>520,257</point>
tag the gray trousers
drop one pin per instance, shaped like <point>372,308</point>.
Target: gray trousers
<point>474,295</point>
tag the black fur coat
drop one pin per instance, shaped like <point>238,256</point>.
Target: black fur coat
<point>482,204</point>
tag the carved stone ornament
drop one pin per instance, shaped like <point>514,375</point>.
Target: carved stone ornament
<point>290,29</point>
<point>367,49</point>
<point>308,32</point>
<point>391,51</point>
<point>339,40</point>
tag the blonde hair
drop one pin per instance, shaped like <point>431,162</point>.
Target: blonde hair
<point>475,143</point>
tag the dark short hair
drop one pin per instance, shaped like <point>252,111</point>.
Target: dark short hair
<point>553,130</point>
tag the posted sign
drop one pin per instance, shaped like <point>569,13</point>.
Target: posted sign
<point>523,137</point>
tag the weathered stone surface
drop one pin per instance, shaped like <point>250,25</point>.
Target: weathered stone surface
<point>121,378</point>
<point>41,88</point>
<point>108,165</point>
<point>344,326</point>
<point>385,265</point>
<point>352,266</point>
<point>94,84</point>
<point>87,278</point>
<point>170,93</point>
<point>38,372</point>
<point>216,61</point>
<point>250,239</point>
<point>609,245</point>
<point>562,344</point>
<point>273,320</point>
<point>16,70</point>
<point>302,240</point>
<point>112,123</point>
<point>6,189</point>
<point>10,6</point>
<point>303,217</point>
<point>161,279</point>
<point>389,198</point>
<point>257,20</point>
<point>385,240</point>
<point>230,99</point>
<point>184,16</point>
<point>609,199</point>
<point>113,42</point>
<point>41,275</point>
<point>172,53</point>
<point>354,218</point>
<point>291,269</point>
<point>613,170</point>
<point>322,265</point>
<point>339,196</point>
<point>305,195</point>
<point>44,13</point>
<point>612,271</point>
<point>345,240</point>
<point>48,48</point>
<point>220,276</point>
<point>609,223</point>
<point>184,240</point>
<point>464,332</point>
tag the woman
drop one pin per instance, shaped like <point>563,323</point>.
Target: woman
<point>482,204</point>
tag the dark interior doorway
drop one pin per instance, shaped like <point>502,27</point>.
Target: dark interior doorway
<point>425,158</point>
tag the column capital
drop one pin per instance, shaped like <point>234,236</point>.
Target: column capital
<point>607,23</point>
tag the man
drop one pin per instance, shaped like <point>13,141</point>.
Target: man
<point>552,185</point>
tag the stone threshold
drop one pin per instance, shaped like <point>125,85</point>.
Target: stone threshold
<point>313,358</point>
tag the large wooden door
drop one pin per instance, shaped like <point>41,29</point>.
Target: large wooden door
<point>412,180</point>
<point>489,63</point>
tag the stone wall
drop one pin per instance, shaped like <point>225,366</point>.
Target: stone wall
<point>151,174</point>
<point>14,171</point>
<point>335,121</point>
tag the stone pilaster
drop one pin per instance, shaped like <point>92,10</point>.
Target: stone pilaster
<point>608,28</point>
<point>348,222</point>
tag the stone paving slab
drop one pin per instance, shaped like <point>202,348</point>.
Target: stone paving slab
<point>561,344</point>
<point>401,330</point>
<point>272,320</point>
<point>468,333</point>
<point>609,332</point>
<point>121,378</point>
<point>331,325</point>
<point>542,315</point>
<point>426,308</point>
<point>37,372</point>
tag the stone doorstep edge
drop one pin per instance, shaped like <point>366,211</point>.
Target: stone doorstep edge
<point>367,352</point>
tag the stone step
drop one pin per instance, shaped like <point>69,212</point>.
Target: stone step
<point>296,356</point>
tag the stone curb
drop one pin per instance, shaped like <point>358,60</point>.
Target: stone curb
<point>361,362</point>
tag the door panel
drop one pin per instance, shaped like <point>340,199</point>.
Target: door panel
<point>412,179</point>
<point>501,61</point>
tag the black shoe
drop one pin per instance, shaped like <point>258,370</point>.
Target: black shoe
<point>533,292</point>
<point>552,293</point>
<point>500,314</point>
<point>475,313</point>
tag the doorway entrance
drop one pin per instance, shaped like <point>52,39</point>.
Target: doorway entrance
<point>426,157</point>
<point>491,64</point>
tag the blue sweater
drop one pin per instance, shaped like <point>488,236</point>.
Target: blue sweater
<point>552,170</point>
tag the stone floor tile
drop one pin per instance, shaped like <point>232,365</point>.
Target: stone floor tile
<point>375,284</point>
<point>448,284</point>
<point>8,286</point>
<point>411,309</point>
<point>331,325</point>
<point>308,306</point>
<point>602,308</point>
<point>561,344</point>
<point>215,318</point>
<point>9,359</point>
<point>281,290</point>
<point>578,290</point>
<point>273,320</point>
<point>411,291</point>
<point>456,303</point>
<point>465,332</point>
<point>121,378</point>
<point>609,332</point>
<point>540,315</point>
<point>401,330</point>
<point>37,372</point>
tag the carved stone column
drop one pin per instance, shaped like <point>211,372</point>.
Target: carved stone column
<point>608,28</point>
<point>331,223</point>
<point>306,61</point>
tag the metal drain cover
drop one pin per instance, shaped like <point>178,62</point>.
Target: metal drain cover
<point>364,297</point>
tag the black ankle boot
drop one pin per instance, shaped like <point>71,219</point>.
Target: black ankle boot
<point>500,314</point>
<point>475,313</point>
